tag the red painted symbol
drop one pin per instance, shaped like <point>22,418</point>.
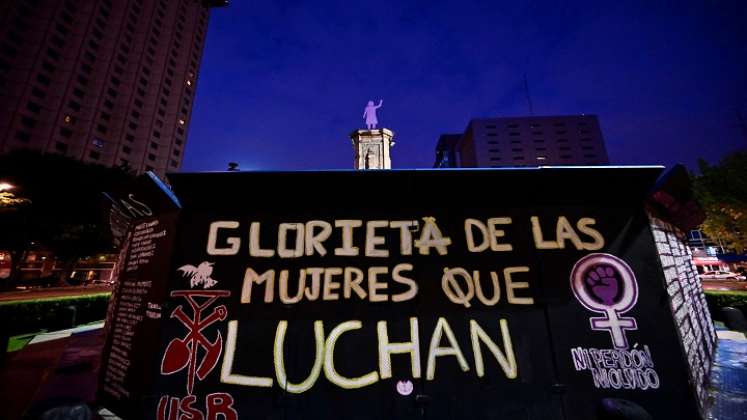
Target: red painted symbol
<point>217,405</point>
<point>182,352</point>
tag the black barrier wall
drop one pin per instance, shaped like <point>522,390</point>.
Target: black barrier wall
<point>673,212</point>
<point>480,294</point>
<point>688,304</point>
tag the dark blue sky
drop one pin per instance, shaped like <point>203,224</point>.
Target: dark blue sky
<point>283,83</point>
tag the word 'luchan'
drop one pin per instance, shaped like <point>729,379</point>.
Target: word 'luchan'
<point>325,354</point>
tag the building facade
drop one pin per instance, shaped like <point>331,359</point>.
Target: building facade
<point>525,141</point>
<point>711,254</point>
<point>446,151</point>
<point>109,82</point>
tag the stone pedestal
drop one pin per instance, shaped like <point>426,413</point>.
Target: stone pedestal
<point>372,148</point>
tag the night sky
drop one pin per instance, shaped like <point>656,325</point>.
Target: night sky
<point>283,83</point>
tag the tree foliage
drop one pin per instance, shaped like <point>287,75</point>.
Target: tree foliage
<point>722,191</point>
<point>63,204</point>
<point>9,201</point>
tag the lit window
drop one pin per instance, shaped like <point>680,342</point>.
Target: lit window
<point>181,121</point>
<point>69,119</point>
<point>541,158</point>
<point>189,83</point>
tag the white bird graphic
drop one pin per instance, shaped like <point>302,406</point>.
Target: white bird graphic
<point>199,275</point>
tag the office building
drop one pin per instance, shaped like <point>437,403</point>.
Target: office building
<point>524,141</point>
<point>446,151</point>
<point>109,82</point>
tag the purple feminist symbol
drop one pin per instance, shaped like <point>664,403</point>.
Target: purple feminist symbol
<point>370,114</point>
<point>605,284</point>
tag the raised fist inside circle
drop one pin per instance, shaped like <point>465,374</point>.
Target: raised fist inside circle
<point>603,283</point>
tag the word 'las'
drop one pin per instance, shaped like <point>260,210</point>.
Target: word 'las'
<point>309,238</point>
<point>324,360</point>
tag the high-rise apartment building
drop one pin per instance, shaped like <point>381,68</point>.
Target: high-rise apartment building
<point>104,81</point>
<point>524,141</point>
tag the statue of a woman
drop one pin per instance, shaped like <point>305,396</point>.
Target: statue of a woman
<point>370,114</point>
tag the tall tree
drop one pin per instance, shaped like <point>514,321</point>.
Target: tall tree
<point>64,205</point>
<point>722,191</point>
<point>13,239</point>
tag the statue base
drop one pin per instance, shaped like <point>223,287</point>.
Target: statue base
<point>372,148</point>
